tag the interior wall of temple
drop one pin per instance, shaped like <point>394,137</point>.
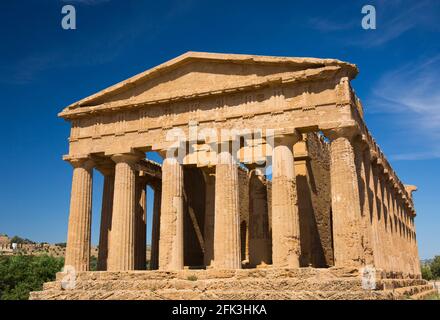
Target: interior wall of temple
<point>319,179</point>
<point>194,216</point>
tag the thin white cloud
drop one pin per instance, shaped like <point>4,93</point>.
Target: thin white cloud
<point>412,94</point>
<point>394,19</point>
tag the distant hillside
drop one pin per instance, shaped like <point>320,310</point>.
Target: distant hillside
<point>29,247</point>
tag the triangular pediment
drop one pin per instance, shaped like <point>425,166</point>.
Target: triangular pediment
<point>196,73</point>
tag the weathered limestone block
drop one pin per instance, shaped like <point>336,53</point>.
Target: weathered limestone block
<point>121,253</point>
<point>171,216</point>
<point>347,232</point>
<point>78,236</point>
<point>312,169</point>
<point>106,215</point>
<point>286,248</point>
<point>227,253</point>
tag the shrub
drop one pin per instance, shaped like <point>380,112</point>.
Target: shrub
<point>21,274</point>
<point>435,267</point>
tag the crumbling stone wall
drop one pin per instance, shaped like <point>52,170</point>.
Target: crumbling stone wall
<point>312,164</point>
<point>312,168</point>
<point>318,178</point>
<point>194,216</point>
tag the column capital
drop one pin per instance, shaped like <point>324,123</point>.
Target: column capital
<point>380,165</point>
<point>349,133</point>
<point>81,162</point>
<point>374,156</point>
<point>362,142</point>
<point>410,189</point>
<point>287,137</point>
<point>128,157</point>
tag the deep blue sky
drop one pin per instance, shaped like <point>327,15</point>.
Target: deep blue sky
<point>44,68</point>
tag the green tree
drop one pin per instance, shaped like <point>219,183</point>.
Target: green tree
<point>61,244</point>
<point>19,240</point>
<point>435,267</point>
<point>426,272</point>
<point>21,274</point>
<point>93,263</point>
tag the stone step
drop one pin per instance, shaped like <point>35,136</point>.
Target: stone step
<point>299,273</point>
<point>214,284</point>
<point>237,284</point>
<point>248,284</point>
<point>389,284</point>
<point>422,295</point>
<point>172,294</point>
<point>410,291</point>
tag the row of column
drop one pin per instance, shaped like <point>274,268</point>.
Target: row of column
<point>123,214</point>
<point>122,241</point>
<point>371,224</point>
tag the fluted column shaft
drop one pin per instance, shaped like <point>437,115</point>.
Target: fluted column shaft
<point>363,165</point>
<point>227,251</point>
<point>171,216</point>
<point>377,217</point>
<point>386,223</point>
<point>78,236</point>
<point>154,259</point>
<point>346,209</point>
<point>106,217</point>
<point>121,253</point>
<point>286,246</point>
<point>140,245</point>
<point>208,232</point>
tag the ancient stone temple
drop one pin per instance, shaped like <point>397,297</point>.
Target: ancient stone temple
<point>271,186</point>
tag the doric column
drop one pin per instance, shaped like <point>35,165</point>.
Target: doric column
<point>396,235</point>
<point>386,223</point>
<point>208,232</point>
<point>259,237</point>
<point>227,251</point>
<point>363,162</point>
<point>346,209</point>
<point>108,171</point>
<point>383,217</point>
<point>417,270</point>
<point>286,246</point>
<point>171,216</point>
<point>78,236</point>
<point>405,263</point>
<point>377,253</point>
<point>155,227</point>
<point>121,253</point>
<point>140,245</point>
